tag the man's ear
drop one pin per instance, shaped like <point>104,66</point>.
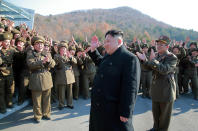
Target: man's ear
<point>119,41</point>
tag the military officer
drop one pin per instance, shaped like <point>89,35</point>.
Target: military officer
<point>40,84</point>
<point>6,73</point>
<point>190,72</point>
<point>163,89</point>
<point>72,50</point>
<point>20,69</point>
<point>180,52</point>
<point>64,75</point>
<point>88,72</point>
<point>146,74</point>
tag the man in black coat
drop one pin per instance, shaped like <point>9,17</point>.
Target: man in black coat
<point>115,86</point>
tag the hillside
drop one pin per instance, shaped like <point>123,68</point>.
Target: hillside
<point>89,22</point>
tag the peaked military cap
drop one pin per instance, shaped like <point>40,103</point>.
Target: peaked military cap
<point>20,39</point>
<point>7,36</point>
<point>164,39</point>
<point>194,43</point>
<point>36,39</point>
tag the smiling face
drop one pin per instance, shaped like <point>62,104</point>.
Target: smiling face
<point>176,51</point>
<point>46,48</point>
<point>39,46</point>
<point>6,44</point>
<point>1,30</point>
<point>192,46</point>
<point>63,51</point>
<point>112,43</point>
<point>145,49</point>
<point>20,45</point>
<point>195,53</point>
<point>161,47</point>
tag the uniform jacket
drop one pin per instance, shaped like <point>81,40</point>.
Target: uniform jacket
<point>163,87</point>
<point>189,64</point>
<point>19,63</point>
<point>7,61</point>
<point>88,66</point>
<point>114,91</point>
<point>75,66</point>
<point>64,73</point>
<point>40,77</point>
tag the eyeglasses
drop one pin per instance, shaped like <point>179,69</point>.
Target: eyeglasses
<point>161,45</point>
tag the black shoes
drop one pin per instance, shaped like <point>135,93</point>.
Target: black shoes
<point>20,103</point>
<point>71,107</point>
<point>76,99</point>
<point>3,111</point>
<point>10,106</point>
<point>60,108</point>
<point>43,118</point>
<point>46,118</point>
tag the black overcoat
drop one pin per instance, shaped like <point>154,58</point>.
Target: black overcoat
<point>114,91</point>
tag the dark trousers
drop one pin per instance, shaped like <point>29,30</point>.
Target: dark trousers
<point>41,103</point>
<point>21,82</point>
<point>146,80</point>
<point>162,115</point>
<point>6,92</point>
<point>76,87</point>
<point>86,80</point>
<point>194,81</point>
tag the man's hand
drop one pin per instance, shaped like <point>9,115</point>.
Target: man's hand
<point>181,43</point>
<point>139,42</point>
<point>87,50</point>
<point>46,59</point>
<point>123,119</point>
<point>196,65</point>
<point>141,56</point>
<point>152,43</point>
<point>94,43</point>
<point>68,54</point>
<point>152,55</point>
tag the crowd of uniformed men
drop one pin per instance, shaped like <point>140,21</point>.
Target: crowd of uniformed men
<point>45,70</point>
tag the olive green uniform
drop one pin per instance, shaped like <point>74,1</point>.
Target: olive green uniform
<point>190,73</point>
<point>40,83</point>
<point>88,72</point>
<point>64,78</point>
<point>21,75</point>
<point>6,79</point>
<point>77,75</point>
<point>163,89</point>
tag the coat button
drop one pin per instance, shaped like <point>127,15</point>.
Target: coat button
<point>98,90</point>
<point>97,104</point>
<point>101,76</point>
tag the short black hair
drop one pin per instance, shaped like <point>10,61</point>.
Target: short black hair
<point>114,33</point>
<point>194,43</point>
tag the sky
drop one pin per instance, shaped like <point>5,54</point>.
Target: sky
<point>178,13</point>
